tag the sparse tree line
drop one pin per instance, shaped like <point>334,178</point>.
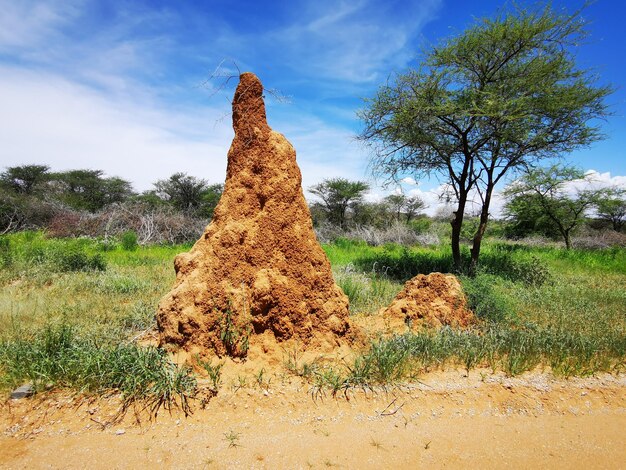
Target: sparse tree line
<point>342,204</point>
<point>553,202</point>
<point>85,202</point>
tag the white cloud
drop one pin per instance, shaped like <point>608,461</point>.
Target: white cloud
<point>47,119</point>
<point>596,180</point>
<point>28,23</point>
<point>353,41</point>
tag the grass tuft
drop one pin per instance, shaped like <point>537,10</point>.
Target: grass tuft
<point>58,358</point>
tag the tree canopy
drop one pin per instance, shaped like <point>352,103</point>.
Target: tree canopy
<point>337,194</point>
<point>612,208</point>
<point>542,192</point>
<point>24,179</point>
<point>88,189</point>
<point>500,96</point>
<point>190,194</point>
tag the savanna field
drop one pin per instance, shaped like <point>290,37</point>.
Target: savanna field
<point>74,312</point>
<point>545,363</point>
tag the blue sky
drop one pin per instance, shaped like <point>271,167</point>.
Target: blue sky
<point>124,86</point>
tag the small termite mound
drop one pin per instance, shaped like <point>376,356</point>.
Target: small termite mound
<point>432,300</point>
<point>258,268</point>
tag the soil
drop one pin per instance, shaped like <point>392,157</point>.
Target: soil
<point>432,300</point>
<point>258,267</point>
<point>447,419</point>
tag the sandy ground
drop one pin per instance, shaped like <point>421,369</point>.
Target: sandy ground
<point>446,420</point>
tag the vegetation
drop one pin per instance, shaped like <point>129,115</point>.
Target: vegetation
<point>500,96</point>
<point>612,208</point>
<point>337,195</point>
<point>84,259</point>
<point>540,307</point>
<point>541,194</point>
<point>188,193</point>
<point>84,202</point>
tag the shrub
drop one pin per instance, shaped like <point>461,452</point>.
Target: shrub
<point>74,259</point>
<point>420,225</point>
<point>530,270</point>
<point>6,255</point>
<point>129,241</point>
<point>484,299</point>
<point>498,261</point>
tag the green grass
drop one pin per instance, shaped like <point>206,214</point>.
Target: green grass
<point>367,292</point>
<point>58,357</point>
<point>540,307</point>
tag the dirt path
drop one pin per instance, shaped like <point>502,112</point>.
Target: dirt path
<point>446,420</point>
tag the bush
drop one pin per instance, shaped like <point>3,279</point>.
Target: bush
<point>498,260</point>
<point>527,269</point>
<point>74,259</point>
<point>6,256</point>
<point>484,299</point>
<point>129,241</point>
<point>420,225</point>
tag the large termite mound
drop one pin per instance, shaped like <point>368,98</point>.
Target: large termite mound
<point>432,300</point>
<point>258,267</point>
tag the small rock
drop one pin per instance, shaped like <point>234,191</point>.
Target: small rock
<point>24,391</point>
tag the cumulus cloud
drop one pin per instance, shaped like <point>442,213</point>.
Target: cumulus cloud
<point>596,180</point>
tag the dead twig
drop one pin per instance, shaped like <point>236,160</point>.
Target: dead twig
<point>390,413</point>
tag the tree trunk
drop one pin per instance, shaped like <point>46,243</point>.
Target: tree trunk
<point>480,231</point>
<point>457,224</point>
<point>568,242</point>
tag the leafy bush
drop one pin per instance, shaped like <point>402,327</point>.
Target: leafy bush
<point>420,225</point>
<point>129,241</point>
<point>6,255</point>
<point>406,264</point>
<point>485,301</point>
<point>74,259</point>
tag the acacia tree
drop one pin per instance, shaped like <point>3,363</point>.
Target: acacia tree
<point>183,191</point>
<point>612,208</point>
<point>24,179</point>
<point>401,204</point>
<point>502,95</point>
<point>88,189</point>
<point>525,216</point>
<point>545,188</point>
<point>337,194</point>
